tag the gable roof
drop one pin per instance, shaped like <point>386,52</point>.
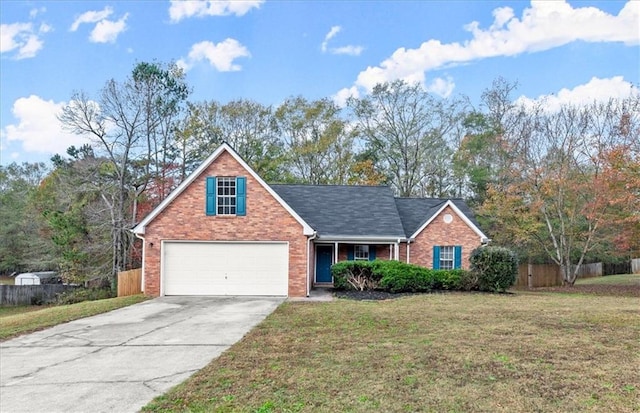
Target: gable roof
<point>140,228</point>
<point>340,212</point>
<point>417,213</point>
<point>345,211</point>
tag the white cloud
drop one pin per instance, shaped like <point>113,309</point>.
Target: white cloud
<point>441,87</point>
<point>107,31</point>
<point>596,90</point>
<point>22,38</point>
<point>221,56</point>
<point>343,95</point>
<point>33,13</point>
<point>38,128</point>
<point>544,25</point>
<point>346,50</point>
<point>45,28</point>
<point>334,30</point>
<point>181,9</point>
<point>91,17</point>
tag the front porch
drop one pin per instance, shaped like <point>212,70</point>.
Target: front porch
<point>328,253</point>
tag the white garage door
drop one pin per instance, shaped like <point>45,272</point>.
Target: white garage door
<point>215,268</point>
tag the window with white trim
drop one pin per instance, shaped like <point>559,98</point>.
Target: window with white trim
<point>361,252</point>
<point>226,195</point>
<point>447,253</point>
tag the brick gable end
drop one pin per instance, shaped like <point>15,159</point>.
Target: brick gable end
<point>266,220</point>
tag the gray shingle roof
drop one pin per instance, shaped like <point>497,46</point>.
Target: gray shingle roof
<point>362,211</point>
<point>345,210</point>
<point>414,212</point>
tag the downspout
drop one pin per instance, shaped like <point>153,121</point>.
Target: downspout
<point>311,238</point>
<point>408,250</point>
<point>144,253</point>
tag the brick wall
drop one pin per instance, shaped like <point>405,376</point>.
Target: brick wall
<point>266,220</point>
<point>457,232</point>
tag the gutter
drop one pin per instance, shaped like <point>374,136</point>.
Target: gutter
<point>345,239</point>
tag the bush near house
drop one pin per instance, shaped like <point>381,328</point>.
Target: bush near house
<point>354,275</point>
<point>493,269</point>
<point>396,277</point>
<point>496,268</point>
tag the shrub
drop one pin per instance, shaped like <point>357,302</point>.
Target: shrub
<point>448,279</point>
<point>398,277</point>
<point>468,281</point>
<point>83,294</point>
<point>394,276</point>
<point>354,275</point>
<point>496,268</point>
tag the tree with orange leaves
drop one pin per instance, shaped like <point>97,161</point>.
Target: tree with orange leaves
<point>573,176</point>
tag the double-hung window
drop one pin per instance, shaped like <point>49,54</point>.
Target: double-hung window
<point>226,196</point>
<point>361,253</point>
<point>447,257</point>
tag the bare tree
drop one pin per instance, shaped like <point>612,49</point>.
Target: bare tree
<point>131,127</point>
<point>320,147</point>
<point>408,128</point>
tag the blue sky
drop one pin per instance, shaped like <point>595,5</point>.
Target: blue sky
<point>567,51</point>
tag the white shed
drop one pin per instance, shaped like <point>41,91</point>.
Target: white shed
<point>37,278</point>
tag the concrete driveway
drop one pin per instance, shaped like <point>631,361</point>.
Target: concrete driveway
<point>119,361</point>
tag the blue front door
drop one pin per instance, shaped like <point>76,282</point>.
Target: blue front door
<point>324,259</point>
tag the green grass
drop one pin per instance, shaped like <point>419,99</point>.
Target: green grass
<point>15,321</point>
<point>625,279</point>
<point>20,309</point>
<point>452,352</point>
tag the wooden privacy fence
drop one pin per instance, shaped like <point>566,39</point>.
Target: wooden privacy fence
<point>31,294</point>
<point>550,275</point>
<point>589,270</point>
<point>130,282</point>
<point>538,275</point>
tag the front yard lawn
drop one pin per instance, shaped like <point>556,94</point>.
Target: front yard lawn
<point>15,321</point>
<point>454,352</point>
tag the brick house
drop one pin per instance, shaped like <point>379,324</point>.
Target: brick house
<point>224,231</point>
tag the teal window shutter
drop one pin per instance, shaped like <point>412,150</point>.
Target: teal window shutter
<point>457,257</point>
<point>436,257</point>
<point>211,195</point>
<point>372,252</point>
<point>241,196</point>
<point>350,252</point>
